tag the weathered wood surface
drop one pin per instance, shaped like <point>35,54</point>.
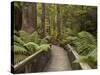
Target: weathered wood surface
<point>84,66</point>
<point>26,61</point>
<point>59,60</point>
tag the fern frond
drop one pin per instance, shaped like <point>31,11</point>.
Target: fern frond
<point>35,37</point>
<point>18,40</point>
<point>19,57</point>
<point>87,36</point>
<point>81,59</point>
<point>44,41</point>
<point>93,54</point>
<point>44,47</point>
<point>32,46</point>
<point>19,49</point>
<point>25,36</point>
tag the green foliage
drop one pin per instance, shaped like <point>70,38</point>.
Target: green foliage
<point>82,59</point>
<point>44,41</point>
<point>90,59</point>
<point>16,33</point>
<point>70,32</point>
<point>31,46</point>
<point>19,57</point>
<point>82,19</point>
<point>18,40</point>
<point>48,37</point>
<point>19,49</point>
<point>68,37</point>
<point>26,44</point>
<point>34,46</point>
<point>24,36</point>
<point>35,37</point>
<point>85,44</point>
<point>86,47</point>
<point>44,47</point>
<point>93,54</point>
<point>87,36</point>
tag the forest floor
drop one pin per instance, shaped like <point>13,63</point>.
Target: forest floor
<point>59,60</point>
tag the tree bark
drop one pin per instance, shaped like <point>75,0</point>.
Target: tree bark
<point>35,16</point>
<point>29,17</point>
<point>58,22</point>
<point>17,18</point>
<point>43,19</point>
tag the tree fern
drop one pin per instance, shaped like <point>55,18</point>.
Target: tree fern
<point>32,46</point>
<point>19,49</point>
<point>69,32</point>
<point>86,47</point>
<point>68,36</point>
<point>25,36</point>
<point>44,41</point>
<point>44,47</point>
<point>18,40</point>
<point>93,54</point>
<point>81,59</point>
<point>84,43</point>
<point>87,36</point>
<point>91,59</point>
<point>35,37</point>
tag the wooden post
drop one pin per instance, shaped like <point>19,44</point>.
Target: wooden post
<point>28,68</point>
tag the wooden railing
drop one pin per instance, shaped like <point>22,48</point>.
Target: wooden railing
<point>26,61</point>
<point>83,66</point>
<point>29,64</point>
<point>33,63</point>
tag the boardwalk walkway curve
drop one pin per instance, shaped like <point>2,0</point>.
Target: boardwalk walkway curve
<point>59,60</point>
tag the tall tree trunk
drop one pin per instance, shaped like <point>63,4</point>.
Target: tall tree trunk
<point>29,17</point>
<point>58,22</point>
<point>17,15</point>
<point>35,16</point>
<point>43,19</point>
<point>17,18</point>
<point>49,25</point>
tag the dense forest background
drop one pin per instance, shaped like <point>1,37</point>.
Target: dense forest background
<point>37,25</point>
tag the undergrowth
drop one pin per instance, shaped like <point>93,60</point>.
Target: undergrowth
<point>84,43</point>
<point>26,44</point>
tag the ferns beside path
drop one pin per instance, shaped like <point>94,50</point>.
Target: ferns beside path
<point>85,44</point>
<point>26,44</point>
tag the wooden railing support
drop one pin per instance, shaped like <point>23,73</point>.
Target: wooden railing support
<point>28,68</point>
<point>26,61</point>
<point>32,63</point>
<point>84,66</point>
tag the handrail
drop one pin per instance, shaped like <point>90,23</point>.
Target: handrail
<point>84,66</point>
<point>26,60</point>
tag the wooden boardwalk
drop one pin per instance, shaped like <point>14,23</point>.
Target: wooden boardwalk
<point>59,60</point>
